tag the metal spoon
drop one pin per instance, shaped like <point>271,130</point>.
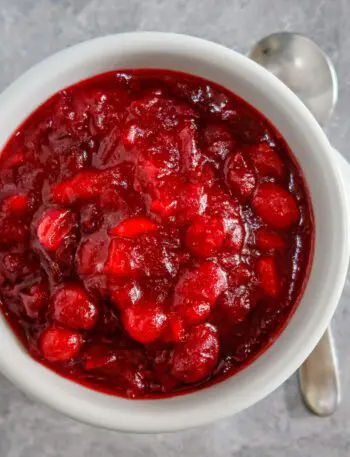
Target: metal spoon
<point>307,71</point>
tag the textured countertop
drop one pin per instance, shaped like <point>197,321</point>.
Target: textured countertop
<point>279,425</point>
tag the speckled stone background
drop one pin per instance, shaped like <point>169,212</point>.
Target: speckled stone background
<point>279,425</point>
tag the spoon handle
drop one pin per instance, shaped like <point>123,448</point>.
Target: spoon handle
<point>319,379</point>
<point>319,374</point>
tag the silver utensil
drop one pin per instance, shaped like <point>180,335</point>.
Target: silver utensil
<point>308,72</point>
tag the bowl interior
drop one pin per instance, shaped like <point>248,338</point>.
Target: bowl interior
<point>310,147</point>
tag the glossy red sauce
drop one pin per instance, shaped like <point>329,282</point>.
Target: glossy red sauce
<point>155,233</point>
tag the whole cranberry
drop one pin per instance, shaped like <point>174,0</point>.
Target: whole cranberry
<point>195,358</point>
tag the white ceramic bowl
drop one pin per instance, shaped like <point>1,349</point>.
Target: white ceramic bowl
<point>319,164</point>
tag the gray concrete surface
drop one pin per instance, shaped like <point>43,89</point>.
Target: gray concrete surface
<point>279,425</point>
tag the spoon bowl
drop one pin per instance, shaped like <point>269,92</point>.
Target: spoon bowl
<point>303,67</point>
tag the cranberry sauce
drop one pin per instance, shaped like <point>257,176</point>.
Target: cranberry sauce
<point>155,233</point>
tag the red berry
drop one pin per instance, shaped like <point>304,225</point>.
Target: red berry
<point>165,197</point>
<point>147,232</point>
<point>196,357</point>
<point>164,207</point>
<point>122,259</point>
<point>202,284</point>
<point>267,275</point>
<point>73,308</point>
<point>239,177</point>
<point>195,312</point>
<point>175,330</point>
<point>54,226</point>
<point>144,322</point>
<point>205,236</point>
<point>133,227</point>
<point>219,142</point>
<point>127,294</point>
<point>156,256</point>
<point>275,205</point>
<point>267,240</point>
<point>60,345</point>
<point>236,304</point>
<point>155,166</point>
<point>266,160</point>
<point>86,185</point>
<point>220,204</point>
<point>192,202</point>
<point>16,204</point>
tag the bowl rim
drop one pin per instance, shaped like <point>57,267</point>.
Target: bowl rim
<point>66,396</point>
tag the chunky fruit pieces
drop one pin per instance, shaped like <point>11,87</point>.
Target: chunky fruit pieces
<point>60,345</point>
<point>275,205</point>
<point>73,308</point>
<point>131,228</point>
<point>86,185</point>
<point>195,311</point>
<point>239,176</point>
<point>266,160</point>
<point>174,198</point>
<point>149,222</point>
<point>126,294</point>
<point>195,358</point>
<point>192,202</point>
<point>219,142</point>
<point>145,322</point>
<point>267,240</point>
<point>236,304</point>
<point>122,258</point>
<point>17,204</point>
<point>205,236</point>
<point>197,290</point>
<point>54,226</point>
<point>207,281</point>
<point>268,277</point>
